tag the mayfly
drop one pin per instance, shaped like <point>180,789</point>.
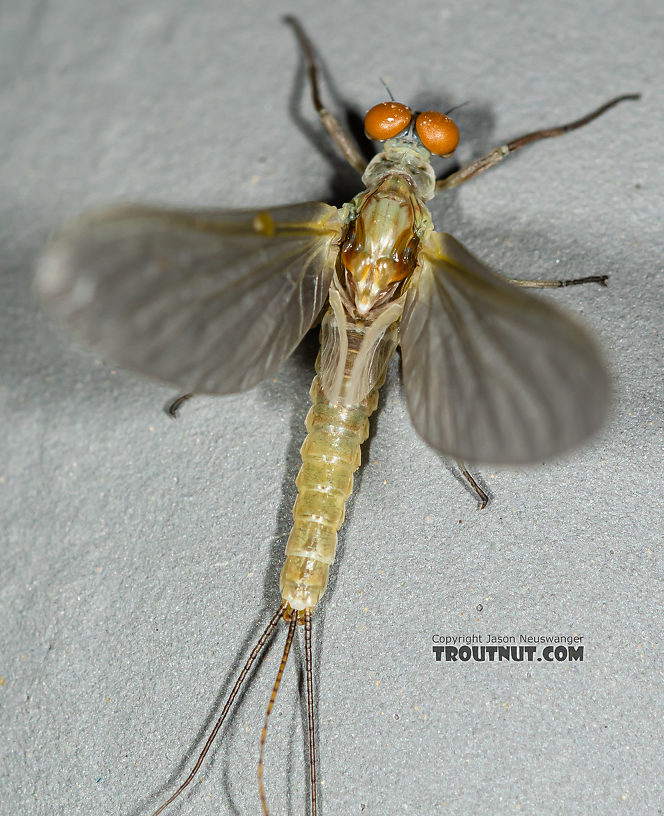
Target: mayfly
<point>214,301</point>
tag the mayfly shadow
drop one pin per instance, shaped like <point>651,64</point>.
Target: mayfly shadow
<point>214,301</point>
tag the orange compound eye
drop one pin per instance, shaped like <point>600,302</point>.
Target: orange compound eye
<point>437,132</point>
<point>387,120</point>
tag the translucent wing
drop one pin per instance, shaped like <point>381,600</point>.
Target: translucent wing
<point>492,373</point>
<point>213,301</point>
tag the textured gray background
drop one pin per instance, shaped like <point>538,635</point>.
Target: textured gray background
<point>140,556</point>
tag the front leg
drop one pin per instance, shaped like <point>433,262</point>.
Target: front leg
<point>343,140</point>
<point>499,153</point>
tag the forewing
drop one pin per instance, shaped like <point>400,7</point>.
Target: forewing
<point>492,373</point>
<point>212,301</point>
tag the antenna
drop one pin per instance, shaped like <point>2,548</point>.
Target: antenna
<point>456,107</point>
<point>384,84</point>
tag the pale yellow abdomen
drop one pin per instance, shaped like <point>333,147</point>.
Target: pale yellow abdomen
<point>330,454</point>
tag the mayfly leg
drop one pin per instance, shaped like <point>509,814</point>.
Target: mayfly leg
<point>173,407</point>
<point>499,153</point>
<point>481,494</point>
<point>262,640</point>
<point>343,140</point>
<point>554,284</point>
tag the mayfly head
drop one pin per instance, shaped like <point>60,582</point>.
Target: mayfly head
<point>393,120</point>
<point>410,138</point>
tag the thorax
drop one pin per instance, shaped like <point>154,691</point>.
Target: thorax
<point>380,248</point>
<point>378,257</point>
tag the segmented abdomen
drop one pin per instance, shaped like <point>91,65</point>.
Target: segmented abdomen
<point>330,454</point>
